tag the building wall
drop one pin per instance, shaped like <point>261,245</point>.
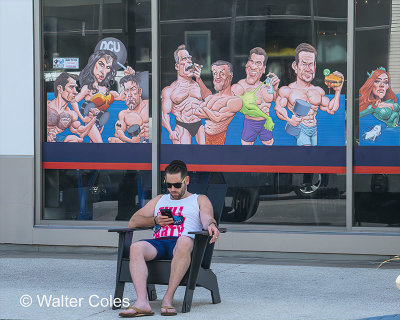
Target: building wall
<point>17,177</point>
<point>16,121</point>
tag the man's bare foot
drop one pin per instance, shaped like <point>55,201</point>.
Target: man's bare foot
<point>137,310</point>
<point>168,310</point>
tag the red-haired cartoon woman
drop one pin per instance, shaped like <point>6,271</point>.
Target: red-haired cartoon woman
<point>378,99</point>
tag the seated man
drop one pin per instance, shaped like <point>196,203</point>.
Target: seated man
<point>171,238</point>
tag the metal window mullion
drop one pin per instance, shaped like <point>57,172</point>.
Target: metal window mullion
<point>155,100</point>
<point>349,115</point>
<point>37,72</point>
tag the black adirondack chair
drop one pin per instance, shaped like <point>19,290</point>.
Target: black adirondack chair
<point>199,272</point>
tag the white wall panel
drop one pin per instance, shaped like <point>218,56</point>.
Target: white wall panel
<point>16,77</point>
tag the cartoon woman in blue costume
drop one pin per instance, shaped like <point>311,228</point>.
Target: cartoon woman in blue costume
<point>378,99</point>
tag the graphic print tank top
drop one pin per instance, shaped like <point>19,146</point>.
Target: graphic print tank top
<point>186,214</point>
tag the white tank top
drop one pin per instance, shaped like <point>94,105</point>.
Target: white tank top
<point>186,216</point>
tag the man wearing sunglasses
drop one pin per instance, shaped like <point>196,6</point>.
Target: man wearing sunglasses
<point>171,238</point>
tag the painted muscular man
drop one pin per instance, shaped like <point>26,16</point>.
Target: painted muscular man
<point>181,97</point>
<point>305,66</point>
<point>220,108</point>
<point>133,123</point>
<point>253,124</point>
<point>59,116</point>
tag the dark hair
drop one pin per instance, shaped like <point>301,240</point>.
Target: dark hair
<point>304,47</point>
<point>131,77</point>
<point>62,80</point>
<point>223,63</point>
<point>86,77</point>
<point>261,52</point>
<point>177,166</point>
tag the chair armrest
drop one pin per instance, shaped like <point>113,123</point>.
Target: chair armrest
<point>205,232</point>
<point>121,230</point>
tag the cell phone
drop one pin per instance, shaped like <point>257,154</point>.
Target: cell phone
<point>167,213</point>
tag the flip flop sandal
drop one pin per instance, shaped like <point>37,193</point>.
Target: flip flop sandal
<point>137,314</point>
<point>166,313</point>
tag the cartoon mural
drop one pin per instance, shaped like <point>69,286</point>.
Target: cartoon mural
<point>60,117</point>
<point>181,98</point>
<point>219,109</point>
<point>96,103</point>
<point>252,111</point>
<point>257,99</point>
<point>379,110</point>
<point>133,123</point>
<point>304,99</point>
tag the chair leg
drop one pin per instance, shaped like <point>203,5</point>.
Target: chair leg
<point>216,298</point>
<point>151,292</point>
<point>119,293</point>
<point>187,301</point>
<point>207,279</point>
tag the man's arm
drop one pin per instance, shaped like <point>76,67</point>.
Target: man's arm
<point>166,109</point>
<point>207,217</point>
<point>199,112</point>
<point>204,91</point>
<point>231,108</point>
<point>82,131</point>
<point>144,217</point>
<point>280,107</point>
<point>237,89</point>
<point>331,106</point>
<point>82,94</point>
<point>269,97</point>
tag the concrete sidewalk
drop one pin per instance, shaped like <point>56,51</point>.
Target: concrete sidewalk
<point>248,290</point>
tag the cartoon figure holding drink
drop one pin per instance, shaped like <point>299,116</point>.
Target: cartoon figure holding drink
<point>257,98</point>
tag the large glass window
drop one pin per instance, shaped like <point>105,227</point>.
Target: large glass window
<point>96,93</point>
<point>228,32</point>
<point>376,114</point>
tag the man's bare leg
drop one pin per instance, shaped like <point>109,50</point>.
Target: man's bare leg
<point>72,138</point>
<point>247,143</point>
<point>269,142</point>
<point>179,265</point>
<point>184,136</point>
<point>201,135</point>
<point>114,140</point>
<point>140,252</point>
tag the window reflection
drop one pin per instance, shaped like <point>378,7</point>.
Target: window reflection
<point>99,195</point>
<point>280,198</point>
<point>376,200</point>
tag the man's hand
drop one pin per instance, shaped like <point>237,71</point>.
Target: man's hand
<point>213,232</point>
<point>197,70</point>
<point>339,88</point>
<point>163,220</point>
<point>174,135</point>
<point>275,81</point>
<point>94,112</point>
<point>295,120</point>
<point>129,71</point>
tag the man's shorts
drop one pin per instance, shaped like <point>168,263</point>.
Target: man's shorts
<point>307,136</point>
<point>164,246</point>
<point>253,128</point>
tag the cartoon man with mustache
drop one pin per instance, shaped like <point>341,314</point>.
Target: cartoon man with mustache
<point>181,97</point>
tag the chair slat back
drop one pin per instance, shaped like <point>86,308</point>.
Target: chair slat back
<point>216,193</point>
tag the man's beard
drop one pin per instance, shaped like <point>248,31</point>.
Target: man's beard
<point>131,104</point>
<point>180,195</point>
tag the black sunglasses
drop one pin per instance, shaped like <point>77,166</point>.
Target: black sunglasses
<point>177,185</point>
